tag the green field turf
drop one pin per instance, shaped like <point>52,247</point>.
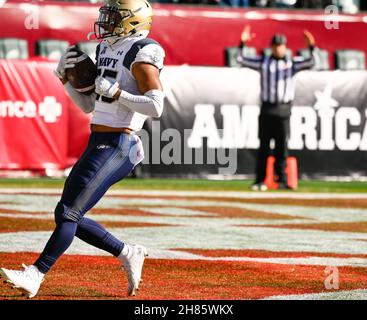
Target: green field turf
<point>190,184</point>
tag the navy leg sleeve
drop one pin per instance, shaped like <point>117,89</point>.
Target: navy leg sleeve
<point>105,161</point>
<point>60,240</point>
<point>94,234</point>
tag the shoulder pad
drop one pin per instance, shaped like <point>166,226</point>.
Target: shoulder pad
<point>145,50</point>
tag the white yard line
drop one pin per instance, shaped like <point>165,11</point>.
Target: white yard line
<point>80,248</point>
<point>177,207</point>
<point>209,238</point>
<point>211,194</point>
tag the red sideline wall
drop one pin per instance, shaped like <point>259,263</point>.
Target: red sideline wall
<point>40,127</point>
<point>190,35</point>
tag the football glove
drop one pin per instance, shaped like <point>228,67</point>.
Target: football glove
<point>66,62</point>
<point>106,88</point>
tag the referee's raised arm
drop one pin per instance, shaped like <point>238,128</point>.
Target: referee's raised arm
<point>253,62</point>
<point>300,63</point>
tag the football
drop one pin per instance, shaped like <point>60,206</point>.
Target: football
<point>83,75</point>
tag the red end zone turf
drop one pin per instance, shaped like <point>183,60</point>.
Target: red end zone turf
<point>90,277</point>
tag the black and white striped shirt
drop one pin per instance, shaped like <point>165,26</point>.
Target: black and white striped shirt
<point>277,75</point>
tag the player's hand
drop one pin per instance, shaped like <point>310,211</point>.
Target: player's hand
<point>66,62</point>
<point>310,39</point>
<point>246,34</point>
<point>106,88</point>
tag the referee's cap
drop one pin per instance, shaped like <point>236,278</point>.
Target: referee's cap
<point>278,39</point>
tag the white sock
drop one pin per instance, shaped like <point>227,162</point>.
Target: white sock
<point>126,252</point>
<point>40,274</point>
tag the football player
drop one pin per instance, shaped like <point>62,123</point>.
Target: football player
<point>127,91</point>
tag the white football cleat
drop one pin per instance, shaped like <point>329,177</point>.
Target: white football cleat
<point>133,266</point>
<point>28,280</point>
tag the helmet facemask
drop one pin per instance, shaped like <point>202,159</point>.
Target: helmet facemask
<point>109,23</point>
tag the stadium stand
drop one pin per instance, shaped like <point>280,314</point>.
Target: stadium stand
<point>89,47</point>
<point>321,58</point>
<point>230,55</point>
<point>13,48</point>
<point>348,59</point>
<point>267,52</point>
<point>344,59</point>
<point>51,49</point>
<point>347,6</point>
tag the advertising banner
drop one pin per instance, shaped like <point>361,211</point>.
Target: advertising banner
<point>209,125</point>
<point>33,117</point>
<point>213,112</point>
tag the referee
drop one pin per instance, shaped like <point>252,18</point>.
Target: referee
<point>277,94</point>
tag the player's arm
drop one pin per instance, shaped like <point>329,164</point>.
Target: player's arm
<point>84,102</point>
<point>300,63</point>
<point>145,69</point>
<point>150,102</point>
<point>68,60</point>
<point>252,63</point>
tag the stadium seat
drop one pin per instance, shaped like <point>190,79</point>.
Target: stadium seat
<point>89,47</point>
<point>51,49</point>
<point>267,52</point>
<point>321,58</point>
<point>12,48</point>
<point>232,52</point>
<point>350,60</point>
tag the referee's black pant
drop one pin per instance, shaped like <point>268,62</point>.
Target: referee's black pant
<point>277,128</point>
